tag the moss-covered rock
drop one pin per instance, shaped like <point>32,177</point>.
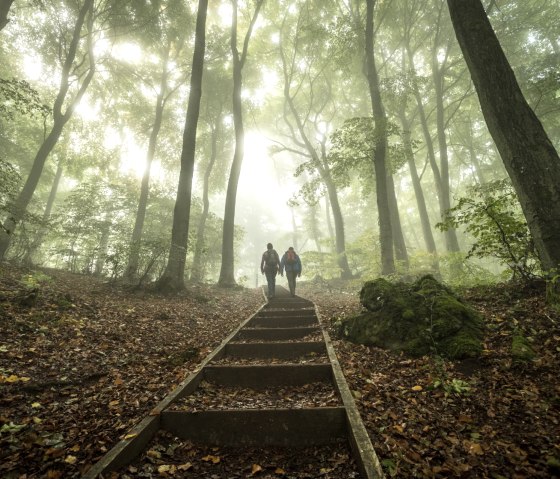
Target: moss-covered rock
<point>418,318</point>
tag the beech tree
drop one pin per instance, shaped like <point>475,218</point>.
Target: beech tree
<point>227,276</point>
<point>530,158</point>
<point>379,156</point>
<point>77,67</point>
<point>4,10</point>
<point>173,277</point>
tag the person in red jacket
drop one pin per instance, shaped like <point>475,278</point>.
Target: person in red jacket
<point>292,265</point>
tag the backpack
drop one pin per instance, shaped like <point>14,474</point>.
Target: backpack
<point>271,258</point>
<point>290,257</point>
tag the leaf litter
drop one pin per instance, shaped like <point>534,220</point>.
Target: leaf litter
<point>97,359</point>
<point>490,417</point>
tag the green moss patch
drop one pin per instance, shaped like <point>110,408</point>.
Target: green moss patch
<point>521,349</point>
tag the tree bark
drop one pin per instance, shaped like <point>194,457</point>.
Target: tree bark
<point>46,215</point>
<point>528,154</point>
<point>340,236</point>
<point>399,242</point>
<point>328,218</point>
<point>294,230</point>
<point>379,155</point>
<point>314,227</point>
<point>4,10</point>
<point>132,267</point>
<point>427,233</point>
<point>426,129</point>
<point>227,272</point>
<point>197,272</point>
<point>60,119</point>
<point>103,245</point>
<point>451,242</point>
<point>173,277</point>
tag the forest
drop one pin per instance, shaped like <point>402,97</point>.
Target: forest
<point>149,151</point>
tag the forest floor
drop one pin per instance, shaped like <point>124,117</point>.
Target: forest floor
<point>82,361</point>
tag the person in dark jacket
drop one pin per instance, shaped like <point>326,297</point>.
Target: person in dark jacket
<point>292,265</point>
<point>270,263</point>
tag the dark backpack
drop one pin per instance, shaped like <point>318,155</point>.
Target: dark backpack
<point>290,257</point>
<point>271,258</point>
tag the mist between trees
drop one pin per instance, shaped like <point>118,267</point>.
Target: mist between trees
<point>170,141</point>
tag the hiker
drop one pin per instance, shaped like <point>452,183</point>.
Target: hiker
<point>292,264</point>
<point>269,266</point>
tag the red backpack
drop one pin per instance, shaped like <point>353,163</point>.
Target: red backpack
<point>290,257</point>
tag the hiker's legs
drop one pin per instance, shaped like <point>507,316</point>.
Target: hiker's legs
<point>271,280</point>
<point>291,276</point>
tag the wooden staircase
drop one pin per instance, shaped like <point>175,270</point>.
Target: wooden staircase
<point>281,346</point>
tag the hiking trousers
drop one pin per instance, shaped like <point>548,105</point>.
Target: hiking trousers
<point>291,277</point>
<point>271,280</point>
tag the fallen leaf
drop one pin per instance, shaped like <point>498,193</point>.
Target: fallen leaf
<point>71,459</point>
<point>185,467</point>
<point>210,458</point>
<point>279,471</point>
<point>475,449</point>
<point>417,388</point>
<point>465,419</point>
<point>154,454</point>
<point>255,469</point>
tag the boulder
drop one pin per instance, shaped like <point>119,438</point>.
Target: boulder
<point>416,318</point>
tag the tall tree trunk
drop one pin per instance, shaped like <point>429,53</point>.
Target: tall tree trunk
<point>451,242</point>
<point>328,218</point>
<point>418,191</point>
<point>528,154</point>
<point>315,234</point>
<point>60,118</point>
<point>4,10</point>
<point>227,272</point>
<point>321,164</point>
<point>426,129</point>
<point>294,230</point>
<point>46,215</point>
<point>103,245</point>
<point>474,159</point>
<point>197,272</point>
<point>134,255</point>
<point>173,277</point>
<point>340,237</point>
<point>379,156</point>
<point>399,242</point>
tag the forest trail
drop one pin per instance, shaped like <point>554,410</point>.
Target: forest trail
<point>273,385</point>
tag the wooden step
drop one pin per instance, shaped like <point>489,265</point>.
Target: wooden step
<point>278,350</point>
<point>265,376</point>
<point>275,334</point>
<point>283,322</point>
<point>264,427</point>
<point>282,313</point>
